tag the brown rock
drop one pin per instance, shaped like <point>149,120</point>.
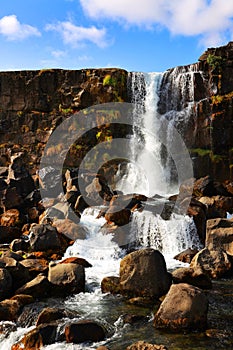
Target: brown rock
<point>44,237</point>
<point>8,234</point>
<point>11,218</point>
<point>50,314</point>
<point>84,330</point>
<point>70,229</point>
<point>111,285</point>
<point>38,288</point>
<point>186,256</point>
<point>19,273</point>
<point>35,266</point>
<point>9,310</point>
<point>117,215</point>
<point>184,308</point>
<point>214,263</point>
<point>142,345</point>
<point>5,283</point>
<point>76,260</point>
<point>219,235</point>
<point>67,278</point>
<point>194,277</point>
<point>143,273</point>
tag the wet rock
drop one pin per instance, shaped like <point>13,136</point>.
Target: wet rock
<point>132,319</point>
<point>19,244</point>
<point>37,338</point>
<point>39,287</point>
<point>13,255</point>
<point>23,299</point>
<point>185,307</point>
<point>5,283</point>
<point>143,273</point>
<point>80,204</point>
<point>217,206</point>
<point>76,260</point>
<point>83,331</point>
<point>219,235</point>
<point>44,237</point>
<point>142,345</point>
<point>8,234</point>
<point>11,199</point>
<point>117,215</point>
<point>67,278</point>
<point>111,285</point>
<point>186,256</point>
<point>214,263</point>
<point>194,277</point>
<point>197,210</point>
<point>50,314</point>
<point>70,229</point>
<point>142,301</point>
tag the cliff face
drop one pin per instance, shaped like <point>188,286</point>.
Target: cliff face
<point>32,103</point>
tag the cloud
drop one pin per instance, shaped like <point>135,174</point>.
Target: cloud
<point>58,53</point>
<point>209,19</point>
<point>76,35</point>
<point>12,29</point>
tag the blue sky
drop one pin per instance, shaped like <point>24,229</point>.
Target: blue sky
<point>137,35</point>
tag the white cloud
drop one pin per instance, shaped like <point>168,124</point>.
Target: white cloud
<point>76,35</point>
<point>205,18</point>
<point>58,53</point>
<point>12,29</point>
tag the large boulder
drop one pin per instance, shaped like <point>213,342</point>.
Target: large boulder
<point>143,273</point>
<point>194,277</point>
<point>214,263</point>
<point>19,273</point>
<point>5,283</point>
<point>219,235</point>
<point>51,314</point>
<point>9,310</point>
<point>12,218</point>
<point>117,215</point>
<point>67,278</point>
<point>185,307</point>
<point>83,331</point>
<point>35,266</point>
<point>70,229</point>
<point>38,288</point>
<point>44,237</point>
<point>111,284</point>
<point>8,234</point>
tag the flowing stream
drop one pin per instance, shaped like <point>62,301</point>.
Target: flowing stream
<point>155,96</point>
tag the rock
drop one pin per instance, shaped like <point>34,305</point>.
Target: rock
<point>197,210</point>
<point>67,278</point>
<point>38,288</point>
<point>185,307</point>
<point>80,205</point>
<point>84,331</point>
<point>219,235</point>
<point>70,229</point>
<point>9,310</point>
<point>131,319</point>
<point>37,338</point>
<point>102,348</point>
<point>194,277</point>
<point>217,206</point>
<point>205,186</point>
<point>44,237</point>
<point>12,218</point>
<point>8,234</point>
<point>117,215</point>
<point>186,256</point>
<point>50,314</point>
<point>19,273</point>
<point>23,299</point>
<point>35,266</point>
<point>5,283</point>
<point>19,244</point>
<point>12,255</point>
<point>214,263</point>
<point>11,199</point>
<point>75,260</point>
<point>33,215</point>
<point>111,285</point>
<point>143,273</point>
<point>142,345</point>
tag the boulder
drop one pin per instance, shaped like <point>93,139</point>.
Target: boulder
<point>44,237</point>
<point>19,244</point>
<point>19,273</point>
<point>111,285</point>
<point>117,215</point>
<point>185,307</point>
<point>217,206</point>
<point>70,229</point>
<point>80,205</point>
<point>194,277</point>
<point>186,256</point>
<point>42,335</point>
<point>50,314</point>
<point>38,288</point>
<point>219,235</point>
<point>11,199</point>
<point>76,260</point>
<point>142,345</point>
<point>12,218</point>
<point>67,278</point>
<point>214,263</point>
<point>35,266</point>
<point>8,234</point>
<point>84,331</point>
<point>143,273</point>
<point>9,310</point>
<point>5,283</point>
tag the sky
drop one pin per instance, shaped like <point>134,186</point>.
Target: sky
<point>136,35</point>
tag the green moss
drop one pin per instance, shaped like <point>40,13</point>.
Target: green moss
<point>201,151</point>
<point>215,62</point>
<point>109,80</point>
